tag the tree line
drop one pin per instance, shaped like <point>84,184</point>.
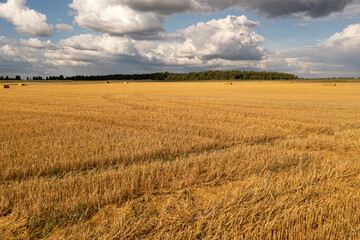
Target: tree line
<point>192,76</point>
<point>17,77</point>
<point>166,76</point>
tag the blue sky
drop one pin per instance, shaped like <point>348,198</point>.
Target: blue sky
<point>311,38</point>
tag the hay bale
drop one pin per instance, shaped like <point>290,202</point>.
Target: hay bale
<point>126,82</point>
<point>329,84</point>
<point>228,83</point>
<point>259,81</point>
<point>290,82</point>
<point>21,84</point>
<point>6,86</point>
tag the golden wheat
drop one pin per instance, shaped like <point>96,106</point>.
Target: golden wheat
<point>180,160</point>
<point>329,84</point>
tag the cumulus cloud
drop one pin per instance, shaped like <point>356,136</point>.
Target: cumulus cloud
<point>65,27</point>
<point>26,20</point>
<point>4,41</point>
<point>232,38</point>
<point>36,43</point>
<point>9,51</point>
<point>336,56</point>
<point>116,18</point>
<point>105,44</point>
<point>342,47</point>
<point>12,51</point>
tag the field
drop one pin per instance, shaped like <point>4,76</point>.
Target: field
<point>205,160</point>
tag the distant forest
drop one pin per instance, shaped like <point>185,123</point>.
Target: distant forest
<point>193,76</point>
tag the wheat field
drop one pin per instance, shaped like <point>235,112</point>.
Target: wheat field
<point>180,161</point>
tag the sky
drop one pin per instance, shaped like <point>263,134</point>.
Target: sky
<point>309,38</point>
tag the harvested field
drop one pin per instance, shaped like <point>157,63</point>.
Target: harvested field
<point>329,84</point>
<point>180,161</point>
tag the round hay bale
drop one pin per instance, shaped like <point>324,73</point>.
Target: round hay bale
<point>329,84</point>
<point>6,86</point>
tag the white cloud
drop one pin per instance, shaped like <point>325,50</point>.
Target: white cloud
<point>9,51</point>
<point>65,27</point>
<point>102,44</point>
<point>116,18</point>
<point>230,41</point>
<point>26,20</point>
<point>336,56</point>
<point>4,41</point>
<point>343,47</point>
<point>232,38</point>
<point>349,37</point>
<point>14,55</point>
<point>36,43</point>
